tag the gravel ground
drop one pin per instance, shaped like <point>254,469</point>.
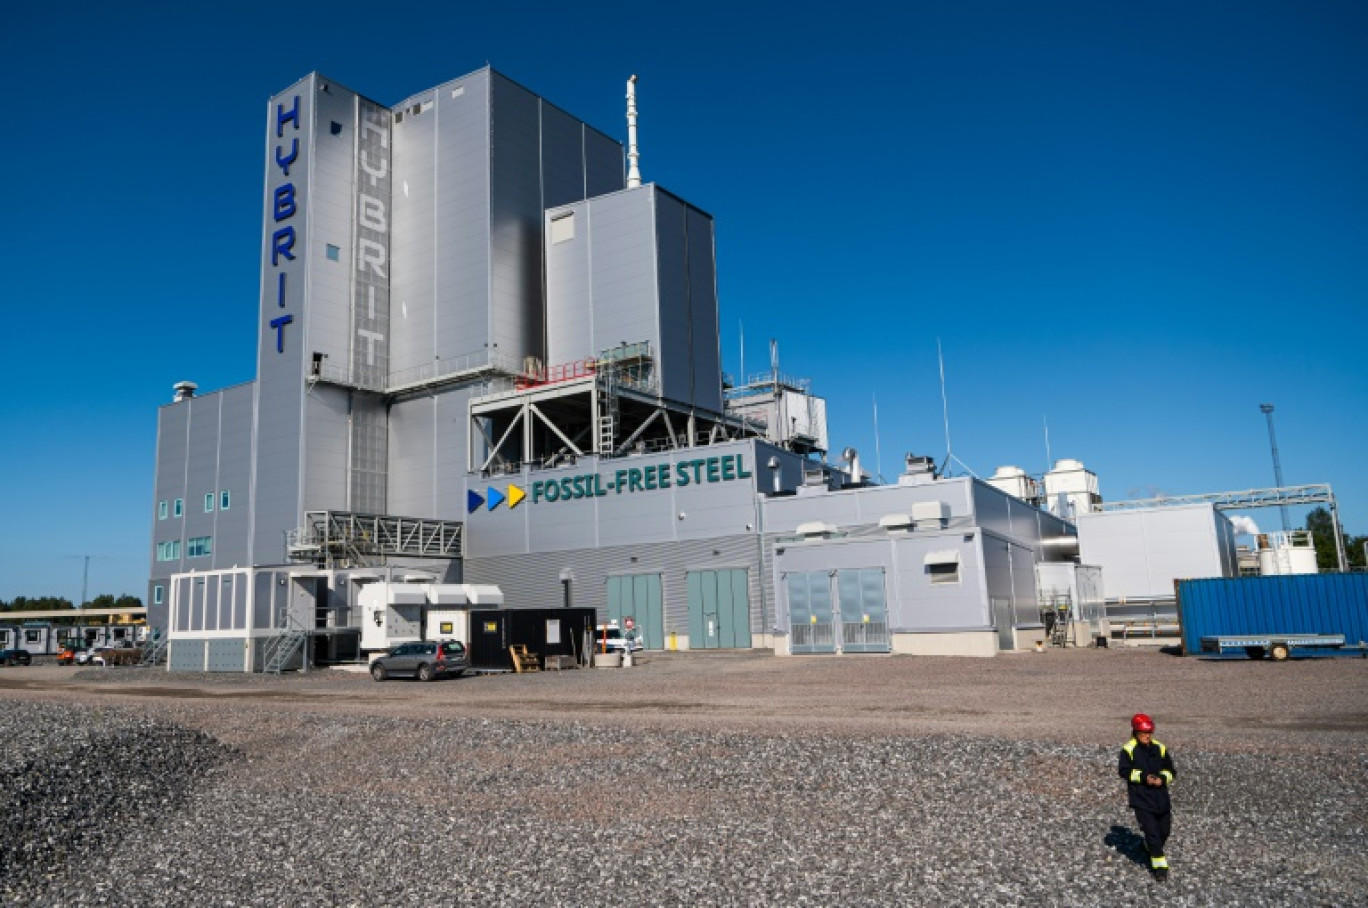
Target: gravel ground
<point>738,781</point>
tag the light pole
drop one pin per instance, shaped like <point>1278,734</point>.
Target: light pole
<point>1267,410</point>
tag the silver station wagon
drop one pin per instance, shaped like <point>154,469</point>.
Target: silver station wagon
<point>425,661</point>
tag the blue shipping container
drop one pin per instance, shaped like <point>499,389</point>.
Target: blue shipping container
<point>1294,604</point>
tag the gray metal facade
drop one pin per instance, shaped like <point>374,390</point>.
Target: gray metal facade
<point>1142,552</point>
<point>632,266</point>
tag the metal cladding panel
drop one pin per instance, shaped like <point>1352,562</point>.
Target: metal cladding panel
<point>1291,604</point>
<point>569,304</point>
<point>534,580</point>
<point>185,655</point>
<point>562,138</point>
<point>692,493</point>
<point>622,270</point>
<point>232,527</point>
<point>327,412</point>
<point>450,445</point>
<point>173,428</point>
<point>853,507</point>
<point>415,238</point>
<point>287,248</point>
<point>411,480</point>
<point>1143,552</point>
<point>459,230</point>
<point>332,178</point>
<point>914,602</point>
<point>705,350</point>
<point>515,220</point>
<point>672,289</point>
<point>604,164</point>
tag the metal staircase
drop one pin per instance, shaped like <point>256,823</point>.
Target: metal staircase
<point>280,650</point>
<point>154,652</point>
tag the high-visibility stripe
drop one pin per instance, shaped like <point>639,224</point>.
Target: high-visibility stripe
<point>1168,776</point>
<point>1159,863</point>
<point>1135,775</point>
<point>1129,748</point>
<point>1163,751</point>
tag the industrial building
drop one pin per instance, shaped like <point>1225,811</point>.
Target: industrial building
<point>488,356</point>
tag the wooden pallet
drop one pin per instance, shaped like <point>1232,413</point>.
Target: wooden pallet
<point>524,661</point>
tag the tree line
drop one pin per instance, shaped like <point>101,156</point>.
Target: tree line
<point>1322,530</point>
<point>58,603</point>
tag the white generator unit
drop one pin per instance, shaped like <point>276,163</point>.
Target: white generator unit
<point>394,613</point>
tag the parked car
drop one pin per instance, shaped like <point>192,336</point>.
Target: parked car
<point>67,656</point>
<point>610,638</point>
<point>424,660</point>
<point>15,657</point>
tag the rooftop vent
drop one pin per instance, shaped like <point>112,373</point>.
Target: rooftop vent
<point>184,391</point>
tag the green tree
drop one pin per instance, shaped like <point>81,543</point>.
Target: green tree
<point>1322,530</point>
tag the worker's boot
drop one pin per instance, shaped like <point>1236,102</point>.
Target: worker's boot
<point>1159,865</point>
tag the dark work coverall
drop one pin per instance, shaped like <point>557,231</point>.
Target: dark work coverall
<point>1150,803</point>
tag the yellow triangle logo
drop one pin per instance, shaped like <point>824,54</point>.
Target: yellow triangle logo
<point>515,495</point>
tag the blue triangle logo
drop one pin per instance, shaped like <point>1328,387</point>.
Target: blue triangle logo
<point>473,501</point>
<point>496,498</point>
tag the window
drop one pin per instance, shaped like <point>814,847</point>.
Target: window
<point>943,567</point>
<point>169,551</point>
<point>179,509</point>
<point>161,510</point>
<point>336,128</point>
<point>158,592</point>
<point>563,228</point>
<point>223,500</point>
<point>334,253</point>
<point>199,546</point>
<point>31,636</point>
<point>208,502</point>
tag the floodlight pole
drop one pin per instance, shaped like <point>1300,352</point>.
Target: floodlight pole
<point>1267,410</point>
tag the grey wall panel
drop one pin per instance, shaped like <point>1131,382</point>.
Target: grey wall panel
<point>326,467</point>
<point>852,507</point>
<point>672,275</point>
<point>1143,552</point>
<point>707,362</point>
<point>232,526</point>
<point>331,221</point>
<point>226,655</point>
<point>569,302</point>
<point>173,425</point>
<point>185,656</point>
<point>449,449</point>
<point>515,220</point>
<point>562,142</point>
<point>622,270</point>
<point>530,581</point>
<point>281,349</point>
<point>604,169</point>
<point>461,229</point>
<point>413,292</point>
<point>411,457</point>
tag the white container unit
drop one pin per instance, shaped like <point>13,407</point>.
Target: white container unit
<point>395,613</point>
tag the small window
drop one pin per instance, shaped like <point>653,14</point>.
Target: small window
<point>161,510</point>
<point>31,636</point>
<point>179,509</point>
<point>199,547</point>
<point>336,128</point>
<point>223,500</point>
<point>563,228</point>
<point>944,573</point>
<point>158,592</point>
<point>334,253</point>
<point>208,502</point>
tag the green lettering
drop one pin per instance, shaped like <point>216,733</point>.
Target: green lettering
<point>618,479</point>
<point>537,490</point>
<point>664,477</point>
<point>577,485</point>
<point>741,467</point>
<point>634,479</point>
<point>698,469</point>
<point>650,478</point>
<point>565,485</point>
<point>682,472</point>
<point>712,469</point>
<point>728,468</point>
<point>599,490</point>
<point>552,491</point>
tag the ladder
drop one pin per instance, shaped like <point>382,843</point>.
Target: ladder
<point>608,407</point>
<point>281,649</point>
<point>154,652</point>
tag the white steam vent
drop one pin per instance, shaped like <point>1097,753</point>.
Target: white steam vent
<point>1244,526</point>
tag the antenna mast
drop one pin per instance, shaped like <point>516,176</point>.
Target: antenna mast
<point>878,453</point>
<point>945,410</point>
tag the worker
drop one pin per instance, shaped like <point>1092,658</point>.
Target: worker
<point>1147,767</point>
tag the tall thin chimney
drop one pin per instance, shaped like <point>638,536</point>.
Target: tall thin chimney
<point>633,171</point>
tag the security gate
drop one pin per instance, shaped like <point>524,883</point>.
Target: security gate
<point>864,611</point>
<point>812,624</point>
<point>719,609</point>
<point>637,596</point>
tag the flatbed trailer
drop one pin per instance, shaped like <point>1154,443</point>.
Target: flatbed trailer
<point>1277,646</point>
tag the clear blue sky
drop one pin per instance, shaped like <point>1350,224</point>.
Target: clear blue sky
<point>1137,221</point>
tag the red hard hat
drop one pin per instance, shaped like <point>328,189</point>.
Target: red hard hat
<point>1142,722</point>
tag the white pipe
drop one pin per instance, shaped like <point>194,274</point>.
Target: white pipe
<point>633,171</point>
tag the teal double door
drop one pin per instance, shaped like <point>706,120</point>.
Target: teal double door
<point>637,596</point>
<point>719,609</point>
